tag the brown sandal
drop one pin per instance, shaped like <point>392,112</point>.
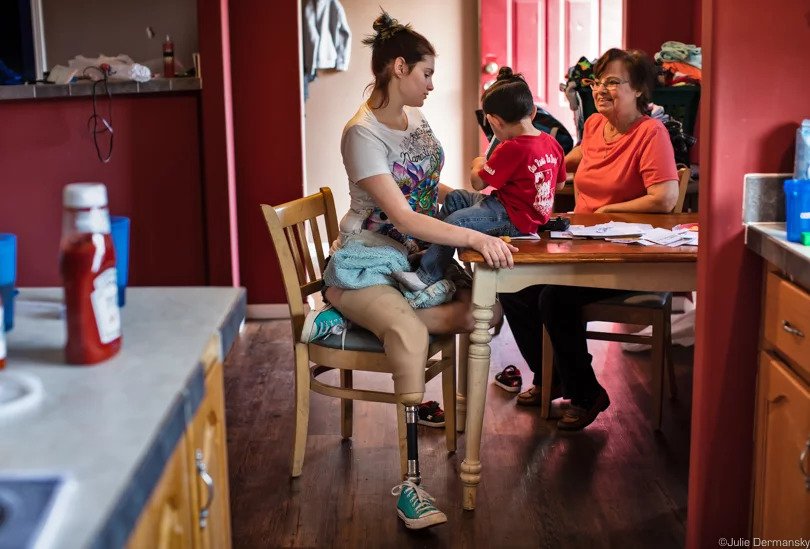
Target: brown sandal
<point>532,397</point>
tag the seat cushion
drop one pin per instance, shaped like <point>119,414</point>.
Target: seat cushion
<point>357,339</point>
<point>639,299</point>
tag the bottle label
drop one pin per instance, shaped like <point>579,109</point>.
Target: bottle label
<point>105,306</point>
<point>96,220</point>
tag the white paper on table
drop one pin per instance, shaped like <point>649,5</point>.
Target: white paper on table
<point>665,237</point>
<point>611,229</point>
<point>634,241</point>
<point>533,236</point>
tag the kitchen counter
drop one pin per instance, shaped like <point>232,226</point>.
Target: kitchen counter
<point>111,427</point>
<point>769,241</point>
<point>84,88</point>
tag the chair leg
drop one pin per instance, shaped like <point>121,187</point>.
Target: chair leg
<point>301,408</point>
<point>449,395</point>
<point>463,354</point>
<point>402,434</point>
<point>346,405</point>
<point>657,359</point>
<point>669,364</point>
<point>547,370</point>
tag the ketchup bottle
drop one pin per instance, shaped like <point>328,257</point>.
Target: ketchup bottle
<point>87,264</point>
<point>168,57</point>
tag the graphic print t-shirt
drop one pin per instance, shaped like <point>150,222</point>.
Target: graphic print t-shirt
<point>525,171</point>
<point>413,157</point>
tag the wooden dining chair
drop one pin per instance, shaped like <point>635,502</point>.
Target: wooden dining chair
<point>359,350</point>
<point>634,308</point>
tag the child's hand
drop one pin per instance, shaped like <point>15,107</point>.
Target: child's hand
<point>478,162</point>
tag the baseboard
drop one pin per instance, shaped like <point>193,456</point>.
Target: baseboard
<point>268,311</point>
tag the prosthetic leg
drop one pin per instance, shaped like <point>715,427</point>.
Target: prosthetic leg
<point>415,507</point>
<point>412,442</point>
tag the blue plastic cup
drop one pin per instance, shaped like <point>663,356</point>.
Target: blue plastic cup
<point>119,227</point>
<point>8,276</point>
<point>797,208</point>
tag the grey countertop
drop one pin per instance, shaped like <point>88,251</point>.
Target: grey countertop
<point>98,424</point>
<point>764,219</point>
<point>769,241</point>
<point>85,88</point>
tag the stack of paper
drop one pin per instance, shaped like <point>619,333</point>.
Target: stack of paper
<point>664,237</point>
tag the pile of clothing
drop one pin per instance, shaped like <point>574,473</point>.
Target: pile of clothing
<point>573,86</point>
<point>681,64</point>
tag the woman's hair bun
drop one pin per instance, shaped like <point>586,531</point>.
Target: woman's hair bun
<point>384,27</point>
<point>383,23</point>
<point>505,73</point>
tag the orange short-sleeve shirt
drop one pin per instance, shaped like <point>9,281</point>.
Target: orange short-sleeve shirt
<point>615,172</point>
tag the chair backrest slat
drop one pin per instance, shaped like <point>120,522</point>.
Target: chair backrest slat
<point>306,257</point>
<point>292,242</point>
<point>316,239</point>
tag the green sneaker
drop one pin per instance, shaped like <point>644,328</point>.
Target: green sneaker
<point>415,506</point>
<point>321,323</point>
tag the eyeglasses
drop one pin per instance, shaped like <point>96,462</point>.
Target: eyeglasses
<point>610,84</point>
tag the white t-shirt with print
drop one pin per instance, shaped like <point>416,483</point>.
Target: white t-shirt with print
<point>413,157</point>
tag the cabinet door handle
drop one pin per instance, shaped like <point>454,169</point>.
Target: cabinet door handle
<point>789,328</point>
<point>802,461</point>
<point>202,472</point>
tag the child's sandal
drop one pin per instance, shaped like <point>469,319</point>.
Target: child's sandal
<point>509,379</point>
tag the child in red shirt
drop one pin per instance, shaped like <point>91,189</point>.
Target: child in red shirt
<point>525,170</point>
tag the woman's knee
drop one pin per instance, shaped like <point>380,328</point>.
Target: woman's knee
<point>411,399</point>
<point>548,301</point>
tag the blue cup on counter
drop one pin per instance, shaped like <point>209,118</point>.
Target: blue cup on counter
<point>797,208</point>
<point>8,277</point>
<point>119,227</point>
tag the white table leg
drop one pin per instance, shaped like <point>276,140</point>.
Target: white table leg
<point>484,288</point>
<point>461,381</point>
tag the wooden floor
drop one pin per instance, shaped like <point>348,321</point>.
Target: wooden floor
<point>615,484</point>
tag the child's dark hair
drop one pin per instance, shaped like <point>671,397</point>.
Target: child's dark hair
<point>392,40</point>
<point>508,97</point>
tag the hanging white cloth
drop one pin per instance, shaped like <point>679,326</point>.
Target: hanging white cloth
<point>326,35</point>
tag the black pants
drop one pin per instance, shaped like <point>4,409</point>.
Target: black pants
<point>560,309</point>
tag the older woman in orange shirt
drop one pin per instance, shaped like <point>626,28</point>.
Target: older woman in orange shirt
<point>625,163</point>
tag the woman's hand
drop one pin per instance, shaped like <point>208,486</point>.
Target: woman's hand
<point>496,252</point>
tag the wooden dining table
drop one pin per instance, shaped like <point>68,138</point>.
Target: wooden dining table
<point>569,262</point>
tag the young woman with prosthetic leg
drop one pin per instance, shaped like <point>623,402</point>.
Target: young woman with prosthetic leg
<point>393,162</point>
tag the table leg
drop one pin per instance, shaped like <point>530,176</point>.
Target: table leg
<point>484,288</point>
<point>461,381</point>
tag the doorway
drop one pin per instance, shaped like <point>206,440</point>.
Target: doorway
<point>542,38</point>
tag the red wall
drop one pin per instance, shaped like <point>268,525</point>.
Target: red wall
<point>650,23</point>
<point>216,119</point>
<point>267,131</point>
<point>153,177</point>
<point>748,126</point>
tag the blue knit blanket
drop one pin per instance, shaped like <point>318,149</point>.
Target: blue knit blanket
<point>369,259</point>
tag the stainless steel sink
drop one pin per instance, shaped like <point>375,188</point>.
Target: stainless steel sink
<point>25,503</point>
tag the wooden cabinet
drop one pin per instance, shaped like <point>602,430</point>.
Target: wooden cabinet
<point>781,506</point>
<point>165,522</point>
<point>207,446</point>
<point>190,505</point>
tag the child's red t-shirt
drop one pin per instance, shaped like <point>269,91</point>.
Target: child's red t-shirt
<point>525,171</point>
